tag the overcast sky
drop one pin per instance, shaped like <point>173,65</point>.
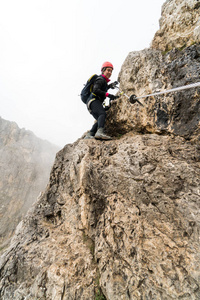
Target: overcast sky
<point>49,48</point>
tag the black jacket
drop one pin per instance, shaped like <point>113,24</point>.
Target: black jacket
<point>100,88</point>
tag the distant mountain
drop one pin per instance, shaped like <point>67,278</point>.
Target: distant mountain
<point>25,163</point>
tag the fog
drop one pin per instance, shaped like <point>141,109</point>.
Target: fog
<point>50,48</point>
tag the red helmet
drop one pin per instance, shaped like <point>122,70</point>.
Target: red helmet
<point>107,64</point>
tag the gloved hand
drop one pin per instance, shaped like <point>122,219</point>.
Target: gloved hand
<point>113,85</point>
<point>112,97</point>
<point>107,107</point>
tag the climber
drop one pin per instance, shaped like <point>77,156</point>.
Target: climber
<point>95,102</point>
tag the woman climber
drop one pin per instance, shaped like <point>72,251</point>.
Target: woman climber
<point>96,99</point>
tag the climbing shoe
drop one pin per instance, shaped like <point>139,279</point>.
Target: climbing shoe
<point>89,135</point>
<point>100,135</point>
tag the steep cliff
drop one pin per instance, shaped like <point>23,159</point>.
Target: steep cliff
<point>120,219</point>
<point>25,164</point>
<point>150,71</point>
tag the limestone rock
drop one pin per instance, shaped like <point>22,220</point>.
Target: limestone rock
<point>149,71</point>
<point>25,164</point>
<point>179,25</point>
<point>118,218</point>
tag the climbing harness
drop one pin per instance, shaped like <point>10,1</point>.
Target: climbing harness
<point>89,103</point>
<point>133,98</point>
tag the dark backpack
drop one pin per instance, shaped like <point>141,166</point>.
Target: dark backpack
<point>86,91</point>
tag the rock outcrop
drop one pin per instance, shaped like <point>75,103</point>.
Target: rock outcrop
<point>25,164</point>
<point>150,71</point>
<point>179,25</point>
<point>120,219</point>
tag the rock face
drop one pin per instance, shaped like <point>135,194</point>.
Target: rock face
<point>150,71</point>
<point>25,164</point>
<point>179,25</point>
<point>120,219</point>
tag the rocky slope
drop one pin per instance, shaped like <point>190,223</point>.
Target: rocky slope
<point>25,164</point>
<point>120,219</point>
